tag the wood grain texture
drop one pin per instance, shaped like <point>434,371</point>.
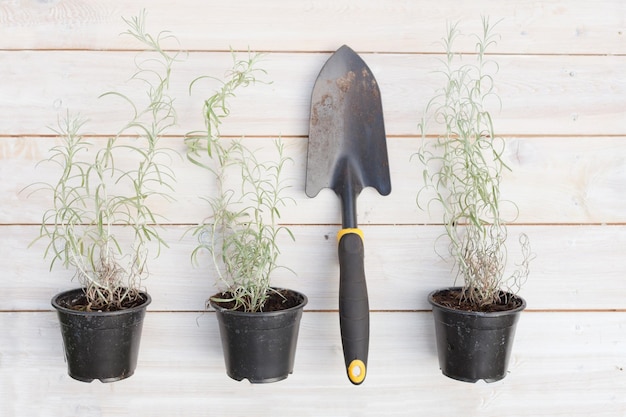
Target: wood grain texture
<point>540,94</point>
<point>560,180</point>
<point>181,371</point>
<point>528,27</point>
<point>576,268</point>
<point>563,89</point>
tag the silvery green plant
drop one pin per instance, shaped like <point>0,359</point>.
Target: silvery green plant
<point>241,235</point>
<point>96,198</point>
<point>464,167</point>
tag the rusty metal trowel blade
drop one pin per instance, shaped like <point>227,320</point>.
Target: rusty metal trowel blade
<point>347,143</point>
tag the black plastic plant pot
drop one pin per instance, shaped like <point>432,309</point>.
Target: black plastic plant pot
<point>474,345</point>
<point>260,346</point>
<point>100,345</point>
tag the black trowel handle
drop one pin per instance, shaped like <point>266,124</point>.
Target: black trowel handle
<point>353,304</point>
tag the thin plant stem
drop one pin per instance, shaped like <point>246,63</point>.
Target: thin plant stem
<point>93,198</point>
<point>464,166</point>
<point>242,233</point>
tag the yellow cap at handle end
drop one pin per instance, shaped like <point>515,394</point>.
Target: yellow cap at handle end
<point>356,371</point>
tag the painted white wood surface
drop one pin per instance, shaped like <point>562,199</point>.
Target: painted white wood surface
<point>569,364</point>
<point>562,81</point>
<point>539,27</point>
<point>581,94</point>
<point>554,180</point>
<point>576,268</point>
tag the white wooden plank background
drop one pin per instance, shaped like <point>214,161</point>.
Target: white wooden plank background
<point>586,177</point>
<point>575,370</point>
<point>583,264</point>
<point>530,27</point>
<point>582,94</point>
<point>562,81</point>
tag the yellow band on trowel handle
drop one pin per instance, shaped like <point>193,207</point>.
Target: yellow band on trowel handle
<point>347,231</point>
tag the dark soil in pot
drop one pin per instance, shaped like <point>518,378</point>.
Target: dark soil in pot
<point>101,345</point>
<point>474,345</point>
<point>261,346</point>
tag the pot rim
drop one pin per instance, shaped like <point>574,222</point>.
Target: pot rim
<point>475,313</point>
<point>225,310</point>
<point>65,310</point>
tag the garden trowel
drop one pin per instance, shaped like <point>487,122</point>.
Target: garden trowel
<point>348,152</point>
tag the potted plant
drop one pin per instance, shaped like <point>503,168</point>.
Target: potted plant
<point>102,223</point>
<point>258,323</point>
<point>474,322</point>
